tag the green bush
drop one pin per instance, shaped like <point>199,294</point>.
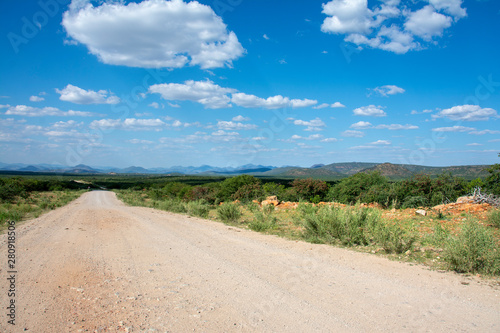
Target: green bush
<point>415,202</point>
<point>310,189</point>
<point>229,212</point>
<point>392,238</point>
<point>494,218</point>
<point>474,250</point>
<point>350,225</point>
<point>198,208</point>
<point>172,205</point>
<point>356,187</point>
<point>264,219</point>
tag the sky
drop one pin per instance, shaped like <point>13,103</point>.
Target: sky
<point>159,83</point>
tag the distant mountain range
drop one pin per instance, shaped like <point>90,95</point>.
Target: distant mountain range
<point>318,171</point>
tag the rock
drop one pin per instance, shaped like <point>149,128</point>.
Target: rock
<point>421,212</point>
<point>272,200</point>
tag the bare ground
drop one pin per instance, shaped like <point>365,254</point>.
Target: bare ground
<point>98,265</point>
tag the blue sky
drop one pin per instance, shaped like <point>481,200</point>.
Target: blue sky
<point>229,82</point>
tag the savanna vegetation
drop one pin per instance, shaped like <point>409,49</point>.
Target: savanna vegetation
<point>472,246</point>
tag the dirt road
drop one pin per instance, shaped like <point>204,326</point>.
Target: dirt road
<point>98,265</point>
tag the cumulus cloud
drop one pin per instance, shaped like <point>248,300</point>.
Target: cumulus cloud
<point>427,23</point>
<point>361,125</point>
<point>36,99</point>
<point>273,102</point>
<point>140,142</point>
<point>395,127</point>
<point>207,93</point>
<point>467,113</point>
<point>231,126</point>
<point>347,16</point>
<point>370,111</point>
<point>353,134</point>
<point>78,95</point>
<point>452,7</point>
<point>483,132</point>
<point>314,125</point>
<point>326,105</point>
<point>130,124</point>
<point>240,118</point>
<point>390,25</point>
<point>153,33</point>
<point>388,90</point>
<point>213,96</point>
<point>29,111</point>
<point>380,143</point>
<point>455,128</point>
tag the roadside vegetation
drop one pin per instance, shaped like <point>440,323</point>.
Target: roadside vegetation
<point>24,198</point>
<point>333,212</point>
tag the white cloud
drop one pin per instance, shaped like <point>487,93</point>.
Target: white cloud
<point>153,34</point>
<point>389,90</point>
<point>66,124</point>
<point>265,37</point>
<point>452,7</point>
<point>207,93</point>
<point>370,110</point>
<point>326,105</point>
<point>483,132</point>
<point>455,128</point>
<point>130,124</point>
<point>78,95</point>
<point>240,118</point>
<point>427,23</point>
<point>29,111</point>
<point>347,16</point>
<point>395,127</point>
<point>380,143</point>
<point>390,26</point>
<point>353,134</point>
<point>140,142</point>
<point>154,105</point>
<point>467,113</point>
<point>273,102</point>
<point>231,126</point>
<point>329,140</point>
<point>314,125</point>
<point>213,96</point>
<point>474,144</point>
<point>361,125</point>
<point>37,99</point>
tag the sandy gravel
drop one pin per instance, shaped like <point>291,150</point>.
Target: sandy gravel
<point>98,265</point>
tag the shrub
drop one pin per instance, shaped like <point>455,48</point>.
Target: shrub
<point>273,189</point>
<point>415,202</point>
<point>171,205</point>
<point>310,189</point>
<point>354,188</point>
<point>249,192</point>
<point>229,212</point>
<point>474,250</point>
<point>349,225</point>
<point>231,185</point>
<point>264,219</point>
<point>494,218</point>
<point>198,208</point>
<point>392,238</point>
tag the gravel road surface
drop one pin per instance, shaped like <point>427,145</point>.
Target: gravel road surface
<point>97,265</point>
